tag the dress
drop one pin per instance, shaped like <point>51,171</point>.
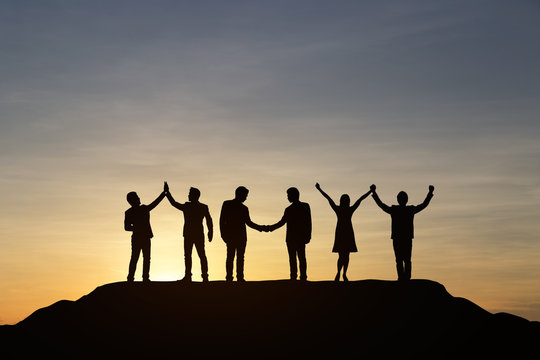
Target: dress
<point>344,240</point>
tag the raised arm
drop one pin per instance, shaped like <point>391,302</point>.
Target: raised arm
<point>155,203</point>
<point>330,201</point>
<point>378,201</point>
<point>173,202</point>
<point>357,203</point>
<point>423,205</point>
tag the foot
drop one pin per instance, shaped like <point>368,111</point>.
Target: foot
<point>186,279</point>
<point>337,277</point>
<point>146,280</point>
<point>345,278</point>
<point>205,279</point>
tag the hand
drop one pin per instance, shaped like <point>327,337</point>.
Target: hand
<point>165,187</point>
<point>268,228</point>
<point>210,236</point>
<point>372,188</point>
<point>318,186</point>
<point>431,188</point>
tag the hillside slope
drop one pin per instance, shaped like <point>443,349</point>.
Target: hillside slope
<point>268,319</point>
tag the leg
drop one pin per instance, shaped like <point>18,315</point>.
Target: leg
<point>146,259</point>
<point>407,252</point>
<point>345,262</point>
<point>199,245</point>
<point>241,250</point>
<point>188,249</point>
<point>135,252</point>
<point>292,260</point>
<point>301,251</point>
<point>339,266</point>
<point>231,250</point>
<point>399,258</point>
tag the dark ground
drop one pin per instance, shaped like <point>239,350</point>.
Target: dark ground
<point>366,319</point>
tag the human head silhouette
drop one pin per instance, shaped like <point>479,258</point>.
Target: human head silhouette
<point>345,200</point>
<point>133,199</point>
<point>293,194</point>
<point>194,194</point>
<point>402,198</point>
<point>241,193</point>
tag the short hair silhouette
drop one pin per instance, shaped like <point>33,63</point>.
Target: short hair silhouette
<point>132,198</point>
<point>241,191</point>
<point>294,194</point>
<point>194,194</point>
<point>402,198</point>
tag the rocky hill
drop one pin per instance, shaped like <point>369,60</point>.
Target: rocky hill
<point>270,319</point>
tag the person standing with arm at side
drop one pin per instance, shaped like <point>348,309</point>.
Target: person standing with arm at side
<point>232,223</point>
<point>297,216</point>
<point>194,214</point>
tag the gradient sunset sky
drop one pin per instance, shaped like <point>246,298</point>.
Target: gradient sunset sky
<point>99,98</point>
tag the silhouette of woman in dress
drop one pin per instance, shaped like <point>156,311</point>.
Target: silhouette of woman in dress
<point>344,242</point>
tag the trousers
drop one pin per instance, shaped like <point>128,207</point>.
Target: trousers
<point>237,248</point>
<point>138,245</point>
<point>297,251</point>
<point>198,241</point>
<point>403,252</point>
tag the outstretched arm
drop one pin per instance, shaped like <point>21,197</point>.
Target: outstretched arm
<point>171,199</point>
<point>357,203</point>
<point>252,225</point>
<point>330,201</point>
<point>423,205</point>
<point>277,225</point>
<point>156,202</point>
<point>378,201</point>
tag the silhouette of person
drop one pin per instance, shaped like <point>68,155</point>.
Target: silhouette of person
<point>137,220</point>
<point>232,223</point>
<point>194,213</point>
<point>297,216</point>
<point>344,242</point>
<point>402,228</point>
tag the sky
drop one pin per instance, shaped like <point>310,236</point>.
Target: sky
<point>99,98</point>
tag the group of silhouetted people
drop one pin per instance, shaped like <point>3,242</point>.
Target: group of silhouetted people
<point>235,217</point>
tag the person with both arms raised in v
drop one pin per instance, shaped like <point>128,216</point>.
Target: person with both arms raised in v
<point>194,213</point>
<point>402,228</point>
<point>344,242</point>
<point>137,220</point>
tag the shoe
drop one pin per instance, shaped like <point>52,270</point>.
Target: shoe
<point>146,280</point>
<point>337,277</point>
<point>185,279</point>
<point>345,278</point>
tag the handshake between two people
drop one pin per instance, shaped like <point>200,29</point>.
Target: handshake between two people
<point>265,228</point>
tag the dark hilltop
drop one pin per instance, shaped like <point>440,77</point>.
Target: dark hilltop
<point>367,319</point>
